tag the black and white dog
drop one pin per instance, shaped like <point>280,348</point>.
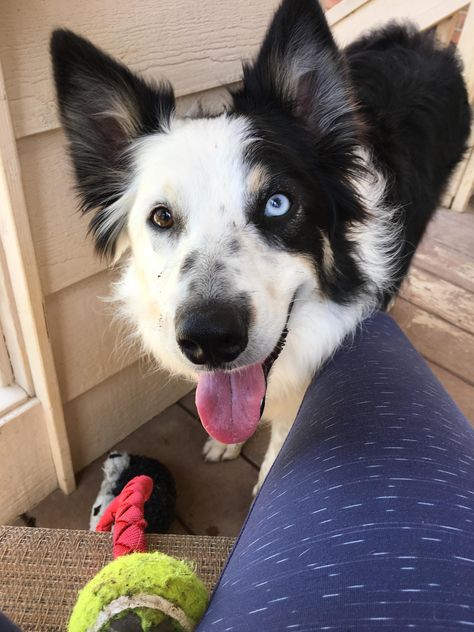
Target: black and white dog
<point>255,241</point>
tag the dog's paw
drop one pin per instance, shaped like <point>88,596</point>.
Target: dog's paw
<point>214,451</point>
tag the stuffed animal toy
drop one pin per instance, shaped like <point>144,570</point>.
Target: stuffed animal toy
<point>138,591</point>
<point>119,468</point>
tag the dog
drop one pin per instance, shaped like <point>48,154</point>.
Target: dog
<point>255,241</point>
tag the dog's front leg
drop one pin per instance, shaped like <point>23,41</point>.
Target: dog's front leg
<point>279,432</point>
<point>215,451</point>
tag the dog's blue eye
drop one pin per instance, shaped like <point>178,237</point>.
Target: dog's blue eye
<point>277,205</point>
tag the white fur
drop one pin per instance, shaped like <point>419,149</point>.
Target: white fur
<point>113,468</point>
<point>198,170</point>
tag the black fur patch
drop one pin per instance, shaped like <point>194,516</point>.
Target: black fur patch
<point>417,119</point>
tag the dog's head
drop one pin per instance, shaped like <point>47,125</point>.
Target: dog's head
<point>231,222</point>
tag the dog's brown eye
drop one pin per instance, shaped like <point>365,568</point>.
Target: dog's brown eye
<point>162,217</point>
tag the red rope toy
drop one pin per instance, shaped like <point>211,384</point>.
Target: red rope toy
<point>126,515</point>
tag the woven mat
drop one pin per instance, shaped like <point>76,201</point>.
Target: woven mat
<point>41,570</point>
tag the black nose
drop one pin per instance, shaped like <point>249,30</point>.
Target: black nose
<point>212,333</point>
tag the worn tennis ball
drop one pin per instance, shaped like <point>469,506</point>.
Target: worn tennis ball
<point>155,590</point>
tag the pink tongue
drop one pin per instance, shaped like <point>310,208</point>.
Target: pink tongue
<point>229,403</point>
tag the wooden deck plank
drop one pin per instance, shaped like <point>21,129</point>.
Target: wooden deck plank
<point>440,297</point>
<point>455,230</point>
<point>461,392</point>
<point>446,263</point>
<point>437,340</point>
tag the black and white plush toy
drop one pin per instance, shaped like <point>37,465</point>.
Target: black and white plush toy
<point>119,468</point>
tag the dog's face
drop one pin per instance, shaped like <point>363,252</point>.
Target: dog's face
<point>211,291</point>
<point>230,223</point>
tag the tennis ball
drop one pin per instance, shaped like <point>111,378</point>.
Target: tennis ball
<point>152,586</point>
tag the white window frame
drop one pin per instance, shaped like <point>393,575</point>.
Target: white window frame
<point>16,385</point>
<point>6,371</point>
<point>11,395</point>
<point>22,316</point>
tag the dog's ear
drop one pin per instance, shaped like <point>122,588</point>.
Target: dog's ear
<point>300,72</point>
<point>300,69</point>
<point>104,107</point>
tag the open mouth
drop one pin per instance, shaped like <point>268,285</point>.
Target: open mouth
<point>230,404</point>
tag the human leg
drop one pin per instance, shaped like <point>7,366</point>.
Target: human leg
<point>365,521</point>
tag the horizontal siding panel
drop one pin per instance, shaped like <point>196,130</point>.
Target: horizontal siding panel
<point>88,346</point>
<point>28,473</point>
<point>103,416</point>
<point>196,45</point>
<point>64,253</point>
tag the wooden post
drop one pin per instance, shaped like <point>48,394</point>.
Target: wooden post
<point>20,258</point>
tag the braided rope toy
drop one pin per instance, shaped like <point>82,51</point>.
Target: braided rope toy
<point>138,590</point>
